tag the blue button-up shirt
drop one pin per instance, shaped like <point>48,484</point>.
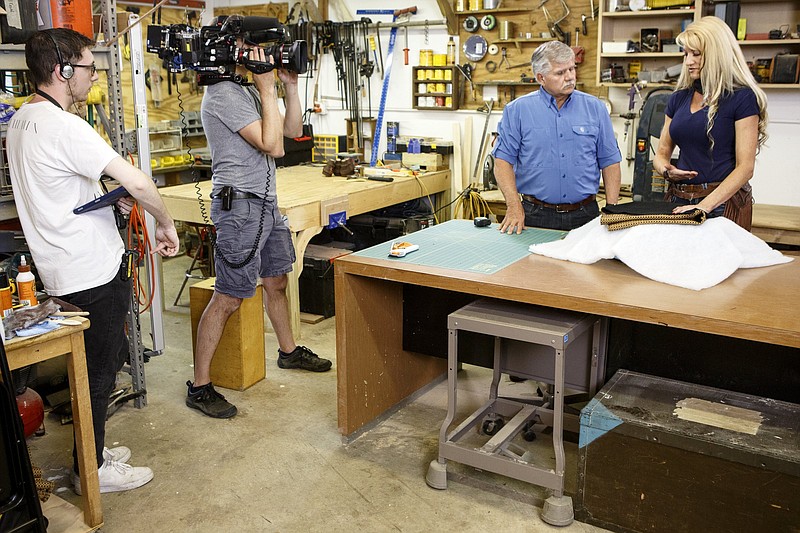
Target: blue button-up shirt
<point>557,154</point>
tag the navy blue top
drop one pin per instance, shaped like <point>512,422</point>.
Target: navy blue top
<point>688,131</point>
<point>557,154</point>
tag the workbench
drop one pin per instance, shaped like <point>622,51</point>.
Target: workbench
<point>68,341</point>
<point>307,197</point>
<point>375,373</point>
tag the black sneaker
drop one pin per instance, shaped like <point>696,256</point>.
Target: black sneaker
<point>304,359</point>
<point>207,400</point>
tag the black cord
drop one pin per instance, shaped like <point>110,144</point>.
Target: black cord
<point>203,211</point>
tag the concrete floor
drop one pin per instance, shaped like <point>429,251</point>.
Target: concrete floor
<point>281,465</point>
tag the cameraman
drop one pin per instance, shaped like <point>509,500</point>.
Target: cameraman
<point>245,131</point>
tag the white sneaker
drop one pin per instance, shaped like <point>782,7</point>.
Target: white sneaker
<point>116,477</point>
<point>120,454</point>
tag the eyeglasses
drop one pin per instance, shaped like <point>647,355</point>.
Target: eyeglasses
<point>92,67</point>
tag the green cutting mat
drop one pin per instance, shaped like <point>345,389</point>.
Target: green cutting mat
<point>459,245</point>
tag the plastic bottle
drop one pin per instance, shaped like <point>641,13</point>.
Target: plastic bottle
<point>26,284</point>
<point>5,295</point>
<point>451,51</point>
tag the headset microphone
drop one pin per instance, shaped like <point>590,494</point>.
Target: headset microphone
<point>67,70</point>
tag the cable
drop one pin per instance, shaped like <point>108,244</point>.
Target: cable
<point>138,241</point>
<point>471,204</point>
<point>427,195</point>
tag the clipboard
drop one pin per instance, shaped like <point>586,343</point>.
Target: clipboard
<point>109,198</point>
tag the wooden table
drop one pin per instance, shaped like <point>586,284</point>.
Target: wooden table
<point>307,197</point>
<point>375,373</point>
<point>68,341</point>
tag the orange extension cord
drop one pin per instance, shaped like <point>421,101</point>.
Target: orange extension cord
<point>138,240</point>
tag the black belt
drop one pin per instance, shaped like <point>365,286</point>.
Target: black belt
<point>560,208</point>
<point>239,195</point>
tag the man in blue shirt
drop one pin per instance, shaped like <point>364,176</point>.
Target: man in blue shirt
<point>553,145</point>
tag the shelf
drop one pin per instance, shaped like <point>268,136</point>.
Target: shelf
<point>468,12</point>
<point>453,95</point>
<point>769,42</point>
<point>505,82</point>
<point>646,54</point>
<point>683,11</point>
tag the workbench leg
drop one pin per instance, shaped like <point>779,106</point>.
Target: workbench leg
<point>300,240</point>
<point>84,431</point>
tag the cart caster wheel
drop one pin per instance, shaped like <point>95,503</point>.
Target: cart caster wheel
<point>527,432</point>
<point>492,426</point>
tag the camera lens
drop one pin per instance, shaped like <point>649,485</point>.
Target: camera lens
<point>292,56</point>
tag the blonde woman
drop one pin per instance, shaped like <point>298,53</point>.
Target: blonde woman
<point>717,116</point>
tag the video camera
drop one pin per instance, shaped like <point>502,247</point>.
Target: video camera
<point>213,51</point>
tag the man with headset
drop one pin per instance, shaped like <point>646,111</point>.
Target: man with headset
<point>245,131</point>
<point>56,160</point>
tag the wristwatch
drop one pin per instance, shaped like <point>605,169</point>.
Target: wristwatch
<point>665,173</point>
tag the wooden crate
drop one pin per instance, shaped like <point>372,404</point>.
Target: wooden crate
<point>647,463</point>
<point>239,360</point>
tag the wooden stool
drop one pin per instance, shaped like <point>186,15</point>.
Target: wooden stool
<point>239,360</point>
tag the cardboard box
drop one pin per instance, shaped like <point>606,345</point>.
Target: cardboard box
<point>239,360</point>
<point>660,455</point>
<point>613,47</point>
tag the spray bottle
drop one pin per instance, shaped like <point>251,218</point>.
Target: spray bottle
<point>26,284</point>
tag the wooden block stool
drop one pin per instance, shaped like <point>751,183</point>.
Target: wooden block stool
<point>239,360</point>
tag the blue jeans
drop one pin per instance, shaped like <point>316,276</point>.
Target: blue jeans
<point>106,348</point>
<point>539,216</point>
<point>717,212</point>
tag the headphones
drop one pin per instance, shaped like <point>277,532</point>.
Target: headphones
<point>67,70</point>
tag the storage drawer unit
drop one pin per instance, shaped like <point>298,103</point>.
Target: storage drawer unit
<point>658,455</point>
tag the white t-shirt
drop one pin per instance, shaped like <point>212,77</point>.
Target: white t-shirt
<point>55,162</point>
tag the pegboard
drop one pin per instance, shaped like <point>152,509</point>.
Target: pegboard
<point>528,21</point>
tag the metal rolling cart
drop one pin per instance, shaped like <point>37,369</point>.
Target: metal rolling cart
<point>562,348</point>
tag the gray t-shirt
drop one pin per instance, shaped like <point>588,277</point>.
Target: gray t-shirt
<point>227,108</point>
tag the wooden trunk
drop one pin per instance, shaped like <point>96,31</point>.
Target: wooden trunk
<point>658,455</point>
<point>239,360</point>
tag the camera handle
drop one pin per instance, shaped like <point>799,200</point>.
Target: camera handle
<point>258,67</point>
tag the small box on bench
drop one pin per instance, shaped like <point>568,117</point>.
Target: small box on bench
<point>659,455</point>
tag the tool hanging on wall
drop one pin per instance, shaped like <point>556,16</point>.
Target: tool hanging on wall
<point>376,140</point>
<point>504,56</point>
<point>405,50</point>
<point>486,108</point>
<point>554,21</point>
<point>488,22</point>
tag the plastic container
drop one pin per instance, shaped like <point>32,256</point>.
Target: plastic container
<point>75,15</point>
<point>451,51</point>
<point>26,284</point>
<point>5,295</point>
